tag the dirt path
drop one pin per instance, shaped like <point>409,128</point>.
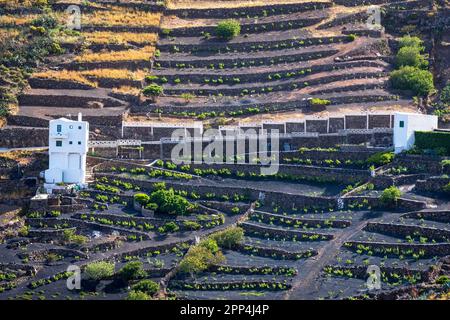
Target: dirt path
<point>306,287</point>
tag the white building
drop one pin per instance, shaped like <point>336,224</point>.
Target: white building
<point>405,124</point>
<point>68,145</point>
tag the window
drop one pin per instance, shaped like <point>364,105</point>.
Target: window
<point>70,142</point>
<point>79,142</point>
<point>70,127</point>
<point>58,128</point>
<point>402,124</point>
<point>59,143</point>
<point>79,127</point>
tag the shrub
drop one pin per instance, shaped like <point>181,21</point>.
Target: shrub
<point>410,56</point>
<point>445,95</point>
<point>414,79</point>
<point>319,102</point>
<point>153,90</point>
<point>137,295</point>
<point>390,196</point>
<point>99,270</point>
<point>132,270</point>
<point>210,244</point>
<point>142,198</point>
<point>229,238</point>
<point>169,202</point>
<point>352,37</point>
<point>200,258</point>
<point>381,158</point>
<point>228,29</point>
<point>70,236</point>
<point>192,225</point>
<point>446,188</point>
<point>433,140</point>
<point>147,286</point>
<point>187,97</point>
<point>408,41</point>
<point>170,227</point>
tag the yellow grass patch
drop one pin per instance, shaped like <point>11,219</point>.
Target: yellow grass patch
<point>121,17</point>
<point>64,75</point>
<point>127,90</point>
<point>120,37</point>
<point>115,74</point>
<point>205,4</point>
<point>16,20</point>
<point>145,53</point>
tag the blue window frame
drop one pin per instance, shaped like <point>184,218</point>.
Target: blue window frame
<point>58,128</point>
<point>59,143</point>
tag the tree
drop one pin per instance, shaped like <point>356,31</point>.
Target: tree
<point>228,29</point>
<point>142,198</point>
<point>99,270</point>
<point>411,78</point>
<point>200,258</point>
<point>169,202</point>
<point>153,90</point>
<point>390,196</point>
<point>147,286</point>
<point>229,238</point>
<point>132,270</point>
<point>410,56</point>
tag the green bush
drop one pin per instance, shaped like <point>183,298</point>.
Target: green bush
<point>446,188</point>
<point>390,196</point>
<point>200,258</point>
<point>99,270</point>
<point>228,29</point>
<point>229,238</point>
<point>434,140</point>
<point>408,41</point>
<point>132,270</point>
<point>411,78</point>
<point>410,56</point>
<point>153,90</point>
<point>445,95</point>
<point>142,198</point>
<point>147,286</point>
<point>319,102</point>
<point>137,295</point>
<point>380,158</point>
<point>169,202</point>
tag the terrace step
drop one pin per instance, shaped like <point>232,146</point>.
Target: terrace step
<point>256,229</point>
<point>269,41</point>
<point>275,253</point>
<point>69,98</point>
<point>432,215</point>
<point>324,223</point>
<point>280,85</point>
<point>231,11</point>
<point>379,248</point>
<point>404,230</point>
<point>248,25</point>
<point>260,58</point>
<point>259,73</point>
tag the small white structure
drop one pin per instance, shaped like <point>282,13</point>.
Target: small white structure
<point>68,146</point>
<point>405,124</point>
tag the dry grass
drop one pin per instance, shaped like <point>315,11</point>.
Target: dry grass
<point>16,20</point>
<point>127,90</point>
<point>88,76</point>
<point>120,38</point>
<point>64,75</point>
<point>115,74</point>
<point>145,53</point>
<point>121,17</point>
<point>205,4</point>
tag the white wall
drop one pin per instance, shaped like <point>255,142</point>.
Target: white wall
<point>404,136</point>
<point>67,151</point>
